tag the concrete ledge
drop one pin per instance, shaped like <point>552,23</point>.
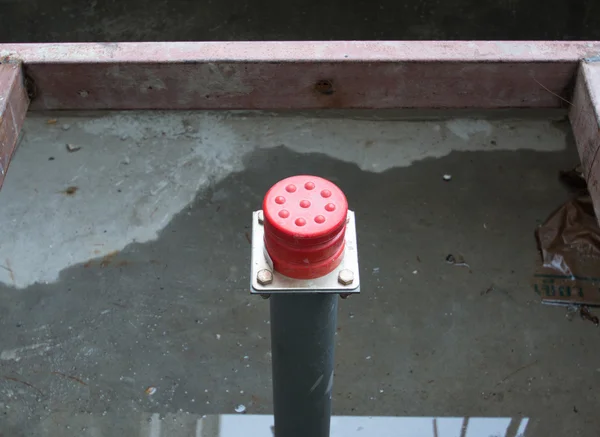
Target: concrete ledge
<point>13,107</point>
<point>585,122</point>
<point>301,75</point>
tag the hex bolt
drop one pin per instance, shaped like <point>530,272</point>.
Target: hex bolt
<point>265,296</point>
<point>261,217</point>
<point>346,277</point>
<point>264,277</point>
<point>344,295</point>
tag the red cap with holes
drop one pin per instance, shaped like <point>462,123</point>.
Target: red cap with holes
<point>305,225</point>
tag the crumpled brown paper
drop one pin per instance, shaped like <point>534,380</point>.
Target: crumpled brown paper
<point>569,243</point>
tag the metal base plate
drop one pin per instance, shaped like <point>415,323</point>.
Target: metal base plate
<point>283,284</point>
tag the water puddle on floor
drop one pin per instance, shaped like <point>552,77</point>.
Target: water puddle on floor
<point>242,425</point>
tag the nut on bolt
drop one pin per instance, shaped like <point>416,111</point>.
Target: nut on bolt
<point>346,277</point>
<point>264,277</point>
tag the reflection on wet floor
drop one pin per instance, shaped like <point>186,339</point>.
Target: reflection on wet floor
<point>350,426</point>
<point>253,425</point>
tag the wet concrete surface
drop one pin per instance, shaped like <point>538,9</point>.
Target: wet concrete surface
<point>424,338</point>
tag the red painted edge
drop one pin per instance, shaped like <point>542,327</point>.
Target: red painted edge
<point>585,123</point>
<point>301,75</point>
<point>13,107</point>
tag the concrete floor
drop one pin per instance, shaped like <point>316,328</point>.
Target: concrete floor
<point>140,277</point>
<point>230,20</point>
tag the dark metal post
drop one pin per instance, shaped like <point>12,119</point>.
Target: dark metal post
<point>304,256</point>
<point>302,343</point>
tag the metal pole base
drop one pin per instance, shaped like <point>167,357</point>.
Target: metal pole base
<point>302,342</point>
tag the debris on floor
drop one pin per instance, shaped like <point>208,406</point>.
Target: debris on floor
<point>492,289</point>
<point>70,191</point>
<point>150,391</point>
<point>571,311</point>
<point>574,180</point>
<point>447,177</point>
<point>583,311</point>
<point>73,378</point>
<point>9,269</point>
<point>458,260</point>
<point>10,378</point>
<point>585,314</point>
<point>487,290</point>
<point>240,409</point>
<point>72,148</point>
<point>569,244</point>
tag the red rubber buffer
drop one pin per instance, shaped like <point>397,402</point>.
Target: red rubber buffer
<point>305,226</point>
